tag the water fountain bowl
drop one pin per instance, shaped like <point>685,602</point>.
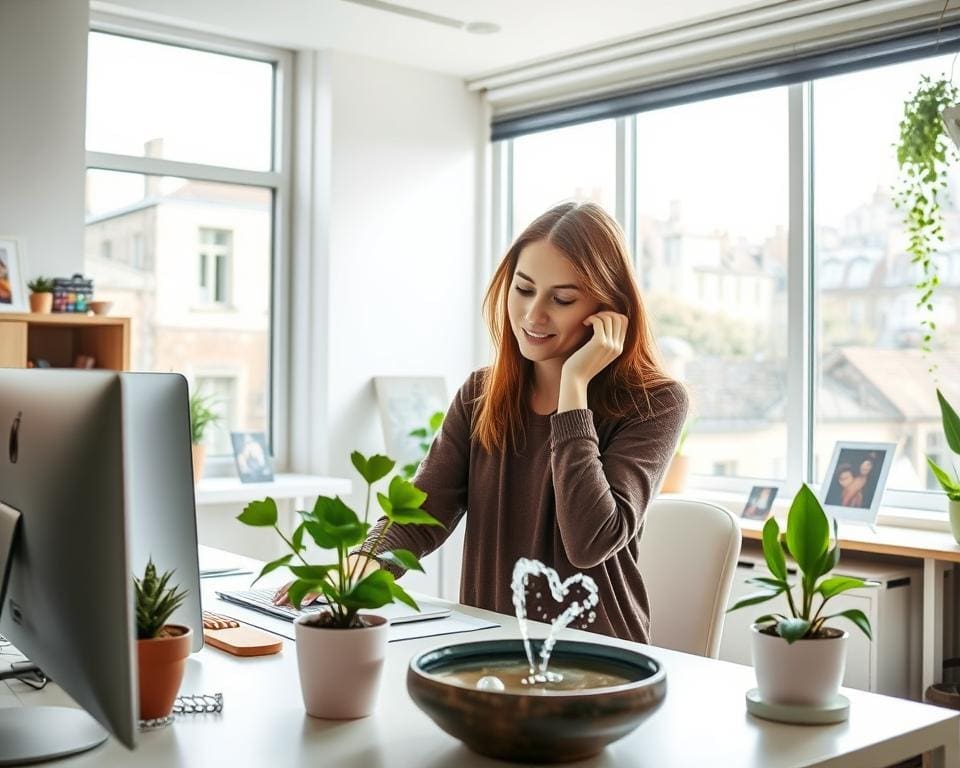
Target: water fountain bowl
<point>545,727</point>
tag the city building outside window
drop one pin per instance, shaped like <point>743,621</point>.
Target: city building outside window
<point>713,251</point>
<point>191,260</point>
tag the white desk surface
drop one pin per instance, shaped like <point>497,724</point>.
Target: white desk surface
<point>702,722</point>
<point>228,490</point>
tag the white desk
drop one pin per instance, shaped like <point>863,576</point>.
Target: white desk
<point>702,721</point>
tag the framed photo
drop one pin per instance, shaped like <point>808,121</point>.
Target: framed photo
<point>13,290</point>
<point>853,485</point>
<point>250,451</point>
<point>760,502</point>
<point>406,403</point>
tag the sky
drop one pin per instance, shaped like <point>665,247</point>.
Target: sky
<point>136,93</point>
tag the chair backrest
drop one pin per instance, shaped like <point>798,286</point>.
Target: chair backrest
<point>688,557</point>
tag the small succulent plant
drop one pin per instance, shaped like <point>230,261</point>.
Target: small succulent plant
<point>155,601</point>
<point>41,285</point>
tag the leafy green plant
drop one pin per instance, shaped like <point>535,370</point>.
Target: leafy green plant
<point>155,601</point>
<point>41,284</point>
<point>923,153</point>
<point>334,526</point>
<point>807,541</point>
<point>951,430</point>
<point>202,416</point>
<point>425,435</point>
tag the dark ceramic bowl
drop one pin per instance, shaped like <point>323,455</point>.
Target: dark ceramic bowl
<point>547,727</point>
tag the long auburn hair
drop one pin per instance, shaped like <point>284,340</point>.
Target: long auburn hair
<point>594,244</point>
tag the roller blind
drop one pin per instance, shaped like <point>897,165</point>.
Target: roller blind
<point>781,44</point>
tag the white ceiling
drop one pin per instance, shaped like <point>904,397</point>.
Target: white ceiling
<point>530,29</point>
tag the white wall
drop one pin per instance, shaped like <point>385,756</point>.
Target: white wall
<point>394,250</point>
<point>43,56</point>
<point>385,256</point>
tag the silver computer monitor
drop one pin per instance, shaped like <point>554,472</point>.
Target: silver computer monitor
<point>98,466</point>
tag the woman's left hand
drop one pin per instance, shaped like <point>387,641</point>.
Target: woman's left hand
<point>609,332</point>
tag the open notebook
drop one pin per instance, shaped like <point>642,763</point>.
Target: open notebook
<point>261,599</point>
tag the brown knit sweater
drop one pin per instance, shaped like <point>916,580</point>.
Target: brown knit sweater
<point>574,498</point>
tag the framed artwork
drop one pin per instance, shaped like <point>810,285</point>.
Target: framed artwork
<point>406,403</point>
<point>250,451</point>
<point>760,502</point>
<point>13,290</point>
<point>853,485</point>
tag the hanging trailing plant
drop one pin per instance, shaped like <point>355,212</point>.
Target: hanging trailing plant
<point>923,153</point>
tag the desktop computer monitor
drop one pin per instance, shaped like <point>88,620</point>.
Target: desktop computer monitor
<point>98,466</point>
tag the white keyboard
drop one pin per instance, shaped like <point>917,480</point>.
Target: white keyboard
<point>261,599</point>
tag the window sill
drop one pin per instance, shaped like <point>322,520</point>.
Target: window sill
<point>892,517</point>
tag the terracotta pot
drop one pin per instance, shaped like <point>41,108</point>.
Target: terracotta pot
<point>675,479</point>
<point>199,454</point>
<point>340,668</point>
<point>805,672</point>
<point>161,662</point>
<point>41,303</point>
<point>953,507</point>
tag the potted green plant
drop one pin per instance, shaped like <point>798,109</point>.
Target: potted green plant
<point>923,154</point>
<point>950,485</point>
<point>202,416</point>
<point>41,295</point>
<point>340,651</point>
<point>675,479</point>
<point>162,648</point>
<point>425,435</point>
<point>798,659</point>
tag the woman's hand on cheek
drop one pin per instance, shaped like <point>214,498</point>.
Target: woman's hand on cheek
<point>605,346</point>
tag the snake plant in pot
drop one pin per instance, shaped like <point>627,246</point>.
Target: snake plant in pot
<point>162,648</point>
<point>798,658</point>
<point>950,485</point>
<point>340,651</point>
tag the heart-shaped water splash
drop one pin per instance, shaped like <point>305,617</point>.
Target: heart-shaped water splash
<point>522,571</point>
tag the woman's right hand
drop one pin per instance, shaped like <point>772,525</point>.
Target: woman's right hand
<point>368,565</point>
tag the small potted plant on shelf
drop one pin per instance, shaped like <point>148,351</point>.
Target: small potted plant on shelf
<point>950,485</point>
<point>202,416</point>
<point>340,651</point>
<point>675,479</point>
<point>41,295</point>
<point>798,658</point>
<point>162,648</point>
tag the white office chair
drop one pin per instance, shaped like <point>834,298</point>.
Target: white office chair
<point>688,557</point>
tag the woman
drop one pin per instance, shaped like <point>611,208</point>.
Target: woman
<point>556,449</point>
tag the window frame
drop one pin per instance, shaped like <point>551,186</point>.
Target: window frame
<point>920,509</point>
<point>277,180</point>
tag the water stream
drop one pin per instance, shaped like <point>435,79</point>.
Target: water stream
<point>523,570</point>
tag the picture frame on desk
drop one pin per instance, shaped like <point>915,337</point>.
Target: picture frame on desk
<point>13,288</point>
<point>853,484</point>
<point>406,403</point>
<point>252,456</point>
<point>760,502</point>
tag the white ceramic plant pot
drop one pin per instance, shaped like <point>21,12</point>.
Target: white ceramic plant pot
<point>953,507</point>
<point>805,672</point>
<point>340,668</point>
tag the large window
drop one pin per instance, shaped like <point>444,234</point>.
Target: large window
<point>711,237</point>
<point>716,184</point>
<point>183,182</point>
<point>873,383</point>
